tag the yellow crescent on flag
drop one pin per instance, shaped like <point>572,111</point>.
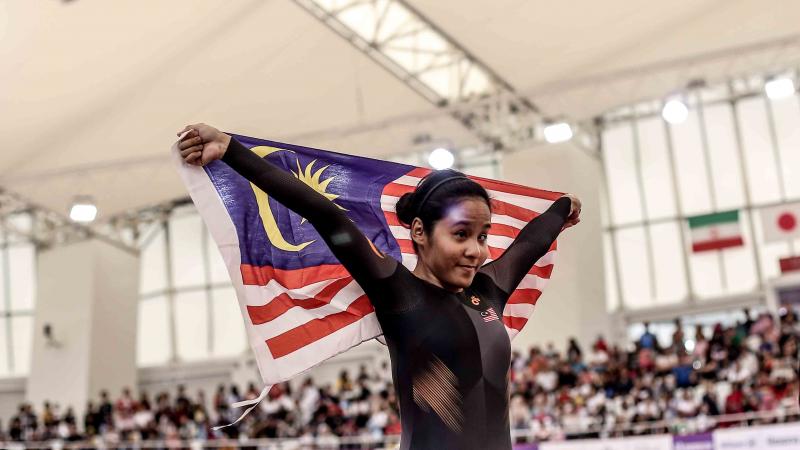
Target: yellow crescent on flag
<point>270,226</point>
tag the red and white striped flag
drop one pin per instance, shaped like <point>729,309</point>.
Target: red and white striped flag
<point>300,306</point>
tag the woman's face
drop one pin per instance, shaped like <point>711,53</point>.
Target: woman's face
<point>457,247</point>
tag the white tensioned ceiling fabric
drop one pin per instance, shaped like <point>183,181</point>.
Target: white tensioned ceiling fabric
<point>92,91</point>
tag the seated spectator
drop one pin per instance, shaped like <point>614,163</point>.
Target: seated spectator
<point>648,340</point>
<point>684,372</point>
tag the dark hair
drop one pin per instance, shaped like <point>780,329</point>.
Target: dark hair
<point>435,193</point>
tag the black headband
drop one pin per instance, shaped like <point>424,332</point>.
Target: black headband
<point>436,186</point>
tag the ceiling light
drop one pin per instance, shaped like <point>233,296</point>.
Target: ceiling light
<point>675,111</point>
<point>779,88</point>
<point>441,158</point>
<point>557,132</point>
<point>83,210</point>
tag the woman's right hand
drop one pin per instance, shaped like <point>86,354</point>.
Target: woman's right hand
<point>575,211</point>
<point>202,144</point>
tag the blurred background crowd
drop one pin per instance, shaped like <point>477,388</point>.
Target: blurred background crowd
<point>747,373</point>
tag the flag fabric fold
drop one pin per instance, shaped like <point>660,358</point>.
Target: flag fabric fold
<point>299,305</point>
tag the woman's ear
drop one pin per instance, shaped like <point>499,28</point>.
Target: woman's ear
<point>418,231</point>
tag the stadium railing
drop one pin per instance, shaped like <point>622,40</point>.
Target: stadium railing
<point>676,426</point>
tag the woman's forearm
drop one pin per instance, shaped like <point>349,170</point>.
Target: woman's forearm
<point>281,185</point>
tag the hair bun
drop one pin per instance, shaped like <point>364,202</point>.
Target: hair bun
<point>404,208</point>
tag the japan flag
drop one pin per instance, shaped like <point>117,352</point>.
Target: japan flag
<point>781,222</point>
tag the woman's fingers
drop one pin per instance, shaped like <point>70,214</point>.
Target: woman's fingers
<point>193,158</point>
<point>191,142</point>
<point>190,150</point>
<point>187,128</point>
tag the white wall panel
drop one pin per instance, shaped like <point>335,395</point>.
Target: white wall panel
<point>612,290</point>
<point>187,251</point>
<point>724,158</point>
<point>191,325</point>
<point>634,268</point>
<point>5,369</point>
<point>740,267</point>
<point>229,333</point>
<point>216,265</point>
<point>153,270</point>
<point>656,169</point>
<point>153,338</point>
<point>768,252</point>
<point>690,166</point>
<point>619,160</point>
<point>670,271</point>
<point>758,153</point>
<point>22,273</point>
<point>786,114</point>
<point>704,269</point>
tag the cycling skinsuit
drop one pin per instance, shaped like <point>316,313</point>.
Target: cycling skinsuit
<point>450,351</point>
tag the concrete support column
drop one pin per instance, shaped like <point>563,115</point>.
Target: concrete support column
<point>573,303</point>
<point>87,293</point>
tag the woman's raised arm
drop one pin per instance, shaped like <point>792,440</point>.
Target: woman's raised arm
<point>204,144</point>
<point>532,243</point>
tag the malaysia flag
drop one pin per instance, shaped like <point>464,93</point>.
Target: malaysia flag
<point>300,306</point>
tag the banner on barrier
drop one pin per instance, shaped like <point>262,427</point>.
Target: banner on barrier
<point>701,441</point>
<point>661,442</point>
<point>763,437</point>
<point>766,437</point>
<point>528,446</point>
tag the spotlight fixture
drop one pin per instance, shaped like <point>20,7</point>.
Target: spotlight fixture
<point>778,88</point>
<point>557,132</point>
<point>675,112</point>
<point>83,210</point>
<point>441,158</point>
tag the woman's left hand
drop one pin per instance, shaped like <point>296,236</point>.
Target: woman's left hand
<point>574,213</point>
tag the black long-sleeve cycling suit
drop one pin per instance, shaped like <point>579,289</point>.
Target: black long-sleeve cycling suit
<point>450,353</point>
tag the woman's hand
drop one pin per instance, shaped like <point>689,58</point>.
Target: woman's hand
<point>574,212</point>
<point>202,144</point>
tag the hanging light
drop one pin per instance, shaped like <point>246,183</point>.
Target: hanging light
<point>675,111</point>
<point>779,88</point>
<point>557,132</point>
<point>441,158</point>
<point>83,210</point>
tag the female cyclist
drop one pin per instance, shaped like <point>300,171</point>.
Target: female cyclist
<point>449,350</point>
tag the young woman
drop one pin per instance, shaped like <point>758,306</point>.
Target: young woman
<point>449,349</point>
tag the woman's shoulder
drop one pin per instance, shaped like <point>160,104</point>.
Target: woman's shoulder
<point>484,284</point>
<point>399,292</point>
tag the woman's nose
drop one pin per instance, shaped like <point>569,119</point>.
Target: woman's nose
<point>473,249</point>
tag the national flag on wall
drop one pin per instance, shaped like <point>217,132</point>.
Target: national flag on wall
<point>781,222</point>
<point>715,231</point>
<point>300,306</point>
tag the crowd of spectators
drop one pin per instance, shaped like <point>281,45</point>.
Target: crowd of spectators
<point>682,386</point>
<point>696,382</point>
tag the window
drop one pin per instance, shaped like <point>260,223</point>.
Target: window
<point>732,153</point>
<point>188,309</point>
<point>17,297</point>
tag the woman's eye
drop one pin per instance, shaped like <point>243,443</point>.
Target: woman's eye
<point>461,234</point>
<point>483,237</point>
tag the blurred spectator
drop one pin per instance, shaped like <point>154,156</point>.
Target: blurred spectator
<point>648,340</point>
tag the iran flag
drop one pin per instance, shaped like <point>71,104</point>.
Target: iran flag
<point>781,222</point>
<point>715,231</point>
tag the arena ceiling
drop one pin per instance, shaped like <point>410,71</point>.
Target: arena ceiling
<point>92,91</point>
